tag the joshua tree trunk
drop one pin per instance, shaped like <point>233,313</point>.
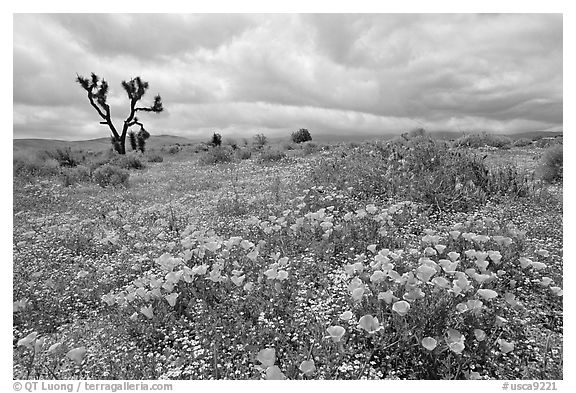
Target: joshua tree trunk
<point>98,93</point>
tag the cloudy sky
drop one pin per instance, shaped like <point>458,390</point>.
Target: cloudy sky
<point>242,74</point>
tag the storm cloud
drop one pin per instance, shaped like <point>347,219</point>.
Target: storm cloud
<point>244,74</point>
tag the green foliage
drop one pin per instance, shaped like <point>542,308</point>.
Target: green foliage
<point>302,135</point>
<point>544,143</point>
<point>65,157</point>
<point>75,175</point>
<point>551,164</point>
<point>29,167</point>
<point>259,141</point>
<point>522,142</point>
<point>483,140</point>
<point>154,157</point>
<point>243,154</point>
<point>420,169</point>
<point>216,140</point>
<point>110,175</point>
<point>270,155</point>
<point>129,161</point>
<point>132,140</point>
<point>216,155</point>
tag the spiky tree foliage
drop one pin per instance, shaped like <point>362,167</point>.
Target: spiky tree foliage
<point>97,90</point>
<point>302,135</point>
<point>141,138</point>
<point>132,139</point>
<point>216,139</point>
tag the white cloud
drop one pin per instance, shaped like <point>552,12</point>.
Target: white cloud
<point>341,73</point>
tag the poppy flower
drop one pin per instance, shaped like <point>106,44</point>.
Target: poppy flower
<point>524,262</point>
<point>538,265</point>
<point>307,367</point>
<point>358,293</point>
<point>346,315</point>
<point>401,307</point>
<point>479,334</point>
<point>336,333</point>
<point>370,324</point>
<point>387,296</point>
<point>440,248</point>
<point>453,256</point>
<point>28,340</point>
<point>487,294</point>
<point>377,276</point>
<point>171,299</point>
<point>424,273</point>
<point>429,343</point>
<point>147,311</point>
<point>274,373</point>
<point>282,275</point>
<point>54,348</point>
<point>267,357</point>
<point>454,234</point>
<point>441,282</point>
<point>77,354</point>
<point>505,346</point>
<point>237,280</point>
<point>371,248</point>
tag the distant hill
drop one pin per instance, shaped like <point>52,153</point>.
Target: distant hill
<point>95,145</point>
<point>157,141</point>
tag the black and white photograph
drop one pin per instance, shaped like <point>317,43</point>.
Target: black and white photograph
<point>287,196</point>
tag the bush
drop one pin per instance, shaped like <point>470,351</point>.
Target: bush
<point>78,174</point>
<point>110,175</point>
<point>154,157</point>
<point>260,140</point>
<point>34,167</point>
<point>522,142</point>
<point>271,155</point>
<point>173,149</point>
<point>129,161</point>
<point>551,164</point>
<point>302,135</point>
<point>216,140</point>
<point>216,155</point>
<point>243,154</point>
<point>231,142</point>
<point>420,169</point>
<point>65,157</point>
<point>482,140</point>
<point>547,142</point>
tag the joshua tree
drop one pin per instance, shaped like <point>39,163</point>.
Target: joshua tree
<point>97,90</point>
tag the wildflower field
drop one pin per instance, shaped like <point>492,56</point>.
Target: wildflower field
<point>380,260</point>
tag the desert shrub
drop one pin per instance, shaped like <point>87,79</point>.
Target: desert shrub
<point>243,154</point>
<point>309,148</point>
<point>270,155</point>
<point>154,157</point>
<point>77,174</point>
<point>65,157</point>
<point>302,135</point>
<point>231,142</point>
<point>216,155</point>
<point>522,142</point>
<point>551,164</point>
<point>482,140</point>
<point>129,161</point>
<point>200,147</point>
<point>173,149</point>
<point>543,143</point>
<point>216,140</point>
<point>110,175</point>
<point>26,167</point>
<point>259,141</point>
<point>420,169</point>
